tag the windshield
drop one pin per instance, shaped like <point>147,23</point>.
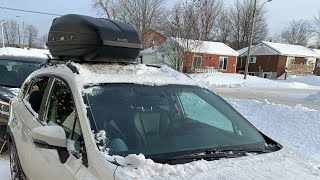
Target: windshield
<point>155,120</point>
<point>14,72</point>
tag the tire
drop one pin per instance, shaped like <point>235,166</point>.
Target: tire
<point>15,167</point>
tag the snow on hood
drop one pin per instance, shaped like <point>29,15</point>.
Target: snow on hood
<point>283,164</point>
<point>134,73</point>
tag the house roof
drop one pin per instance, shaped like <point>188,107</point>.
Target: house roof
<point>317,51</point>
<point>291,50</point>
<point>207,47</point>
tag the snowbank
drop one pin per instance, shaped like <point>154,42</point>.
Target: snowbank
<point>311,80</point>
<point>315,98</point>
<point>294,127</point>
<point>10,51</point>
<point>236,80</point>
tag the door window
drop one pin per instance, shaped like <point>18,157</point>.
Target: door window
<point>35,93</point>
<point>60,111</point>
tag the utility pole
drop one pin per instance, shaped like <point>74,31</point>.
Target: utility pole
<point>2,31</point>
<point>250,39</point>
<point>251,36</point>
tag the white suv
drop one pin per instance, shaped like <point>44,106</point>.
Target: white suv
<point>90,116</point>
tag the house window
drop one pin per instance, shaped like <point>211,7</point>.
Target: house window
<point>223,63</point>
<point>239,63</point>
<point>253,59</point>
<point>291,60</point>
<point>251,73</point>
<point>197,61</point>
<point>267,75</point>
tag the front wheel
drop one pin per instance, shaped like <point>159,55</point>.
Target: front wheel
<point>15,168</point>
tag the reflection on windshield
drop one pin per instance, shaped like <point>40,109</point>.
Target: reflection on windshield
<point>166,119</point>
<point>13,73</point>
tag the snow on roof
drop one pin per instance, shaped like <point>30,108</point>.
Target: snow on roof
<point>242,51</point>
<point>26,52</point>
<point>134,73</point>
<point>317,51</point>
<point>208,47</point>
<point>291,50</point>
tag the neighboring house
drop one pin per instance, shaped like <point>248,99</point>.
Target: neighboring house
<point>153,39</point>
<point>200,56</point>
<point>271,60</point>
<point>316,70</point>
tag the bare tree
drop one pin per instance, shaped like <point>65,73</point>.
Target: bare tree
<point>224,28</point>
<point>42,42</point>
<point>144,15</point>
<point>298,32</point>
<point>241,16</point>
<point>11,33</point>
<point>32,36</point>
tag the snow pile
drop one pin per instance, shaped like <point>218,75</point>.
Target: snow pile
<point>315,98</point>
<point>134,73</point>
<point>26,52</point>
<point>311,80</point>
<point>294,127</point>
<point>283,164</point>
<point>226,80</point>
<point>4,169</point>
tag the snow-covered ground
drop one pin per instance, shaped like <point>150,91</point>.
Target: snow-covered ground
<point>315,98</point>
<point>10,51</point>
<point>4,168</point>
<point>311,79</point>
<point>236,80</point>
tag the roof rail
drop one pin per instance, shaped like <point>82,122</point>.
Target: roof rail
<point>51,62</point>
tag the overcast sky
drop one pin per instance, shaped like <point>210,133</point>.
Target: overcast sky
<point>280,12</point>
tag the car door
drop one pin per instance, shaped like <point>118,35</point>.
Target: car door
<point>59,110</point>
<point>24,119</point>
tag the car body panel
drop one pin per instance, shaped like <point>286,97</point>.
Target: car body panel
<point>45,164</point>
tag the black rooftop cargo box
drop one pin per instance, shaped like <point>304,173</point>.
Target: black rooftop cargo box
<point>86,38</point>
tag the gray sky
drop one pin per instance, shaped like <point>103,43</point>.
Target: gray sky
<point>280,12</point>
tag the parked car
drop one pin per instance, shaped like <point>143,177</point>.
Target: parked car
<point>13,71</point>
<point>77,119</point>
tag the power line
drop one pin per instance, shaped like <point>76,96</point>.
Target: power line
<point>29,11</point>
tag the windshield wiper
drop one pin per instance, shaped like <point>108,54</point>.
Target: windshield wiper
<point>212,154</point>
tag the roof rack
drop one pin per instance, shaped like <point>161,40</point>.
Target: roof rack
<point>51,62</point>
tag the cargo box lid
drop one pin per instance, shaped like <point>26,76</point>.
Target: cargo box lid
<point>93,39</point>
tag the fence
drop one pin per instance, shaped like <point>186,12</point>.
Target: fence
<point>205,70</point>
<point>300,68</point>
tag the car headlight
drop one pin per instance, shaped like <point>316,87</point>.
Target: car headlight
<point>4,107</point>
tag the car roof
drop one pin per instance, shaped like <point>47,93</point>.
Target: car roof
<point>23,58</point>
<point>91,74</point>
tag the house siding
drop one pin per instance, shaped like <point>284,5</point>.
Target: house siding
<point>210,60</point>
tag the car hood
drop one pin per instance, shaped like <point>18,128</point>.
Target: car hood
<point>283,164</point>
<point>8,93</point>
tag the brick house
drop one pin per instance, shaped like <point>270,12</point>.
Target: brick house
<point>153,39</point>
<point>271,60</point>
<point>204,56</point>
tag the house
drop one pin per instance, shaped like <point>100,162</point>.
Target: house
<point>271,60</point>
<point>316,70</point>
<point>198,56</point>
<point>153,38</point>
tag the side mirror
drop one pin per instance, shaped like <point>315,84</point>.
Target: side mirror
<point>51,137</point>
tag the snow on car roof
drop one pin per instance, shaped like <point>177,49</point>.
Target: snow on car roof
<point>26,52</point>
<point>133,73</point>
